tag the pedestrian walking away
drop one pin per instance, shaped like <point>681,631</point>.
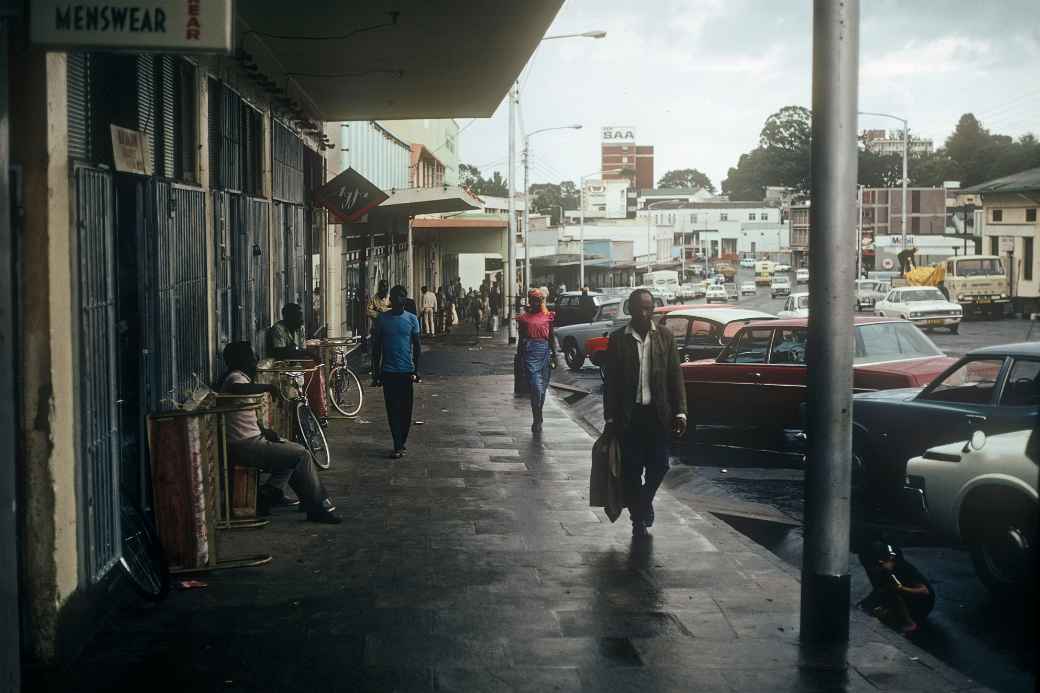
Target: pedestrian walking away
<point>644,403</point>
<point>396,348</point>
<point>428,304</point>
<point>254,446</point>
<point>537,351</point>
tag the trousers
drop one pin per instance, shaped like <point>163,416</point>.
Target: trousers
<point>288,463</point>
<point>427,320</point>
<point>398,395</point>
<point>644,461</point>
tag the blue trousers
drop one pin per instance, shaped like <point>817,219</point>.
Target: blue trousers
<point>536,362</point>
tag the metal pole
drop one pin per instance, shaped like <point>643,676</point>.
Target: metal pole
<point>859,233</point>
<point>411,259</point>
<point>511,244</point>
<point>906,148</point>
<point>527,218</point>
<point>581,234</point>
<point>825,557</point>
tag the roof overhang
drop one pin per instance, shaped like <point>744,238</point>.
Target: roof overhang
<point>408,202</point>
<point>444,59</point>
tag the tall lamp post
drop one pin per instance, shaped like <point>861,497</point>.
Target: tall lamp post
<point>906,151</point>
<point>581,227</point>
<point>527,202</point>
<point>514,99</point>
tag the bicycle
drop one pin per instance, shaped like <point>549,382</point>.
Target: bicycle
<point>343,386</point>
<point>142,556</point>
<point>307,430</point>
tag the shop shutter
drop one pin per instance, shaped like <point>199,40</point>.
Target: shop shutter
<point>166,113</point>
<point>146,107</point>
<point>80,106</point>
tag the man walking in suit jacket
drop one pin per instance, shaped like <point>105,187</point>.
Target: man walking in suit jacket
<point>644,403</point>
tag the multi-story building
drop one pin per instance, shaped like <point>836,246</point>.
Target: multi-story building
<point>440,139</point>
<point>798,221</point>
<point>609,198</point>
<point>891,142</point>
<point>622,158</point>
<point>717,229</point>
<point>882,211</point>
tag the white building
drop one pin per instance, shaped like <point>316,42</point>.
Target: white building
<point>719,228</point>
<point>891,142</point>
<point>608,198</point>
<point>440,137</point>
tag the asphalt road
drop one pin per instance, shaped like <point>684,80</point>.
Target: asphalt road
<point>989,642</point>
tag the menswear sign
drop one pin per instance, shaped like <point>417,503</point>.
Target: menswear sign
<point>192,26</point>
<point>619,135</point>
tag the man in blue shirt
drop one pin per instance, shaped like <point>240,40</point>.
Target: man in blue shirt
<point>395,365</point>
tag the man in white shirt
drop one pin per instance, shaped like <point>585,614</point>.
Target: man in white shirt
<point>644,404</point>
<point>429,307</point>
<point>254,446</point>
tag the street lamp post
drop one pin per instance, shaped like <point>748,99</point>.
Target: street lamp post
<point>514,98</point>
<point>906,152</point>
<point>527,201</point>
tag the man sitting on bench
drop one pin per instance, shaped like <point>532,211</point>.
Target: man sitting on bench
<point>254,446</point>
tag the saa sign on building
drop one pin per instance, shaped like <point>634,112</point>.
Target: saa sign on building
<point>619,135</point>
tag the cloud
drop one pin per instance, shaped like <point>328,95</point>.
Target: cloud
<point>937,56</point>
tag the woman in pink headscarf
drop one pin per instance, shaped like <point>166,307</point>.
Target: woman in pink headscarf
<point>537,350</point>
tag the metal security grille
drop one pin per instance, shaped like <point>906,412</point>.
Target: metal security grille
<point>80,88</point>
<point>180,271</point>
<point>287,149</point>
<point>225,216</point>
<point>291,254</point>
<point>98,393</point>
<point>225,137</point>
<point>256,285</point>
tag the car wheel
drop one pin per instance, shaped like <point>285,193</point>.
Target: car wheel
<point>573,356</point>
<point>954,329</point>
<point>1002,551</point>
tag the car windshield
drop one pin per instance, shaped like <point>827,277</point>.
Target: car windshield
<point>866,285</point>
<point>919,295</point>
<point>979,268</point>
<point>891,341</point>
<point>781,280</point>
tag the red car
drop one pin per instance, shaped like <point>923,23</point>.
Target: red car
<point>759,379</point>
<point>597,345</point>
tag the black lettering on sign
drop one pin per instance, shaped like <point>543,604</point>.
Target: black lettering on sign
<point>119,17</point>
<point>78,17</point>
<point>135,19</point>
<point>62,19</point>
<point>102,18</point>
<point>160,20</point>
<point>105,19</point>
<point>92,18</point>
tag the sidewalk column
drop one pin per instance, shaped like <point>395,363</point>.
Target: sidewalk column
<point>511,230</point>
<point>410,279</point>
<point>825,561</point>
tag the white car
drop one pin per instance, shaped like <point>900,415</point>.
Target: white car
<point>780,286</point>
<point>781,267</point>
<point>925,306</point>
<point>802,276</point>
<point>689,291</point>
<point>983,494</point>
<point>716,292</point>
<point>748,263</point>
<point>748,288</point>
<point>797,306</point>
<point>869,292</point>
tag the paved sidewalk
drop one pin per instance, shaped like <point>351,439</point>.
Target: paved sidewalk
<point>475,564</point>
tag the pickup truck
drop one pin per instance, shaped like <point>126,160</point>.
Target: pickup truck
<point>610,314</point>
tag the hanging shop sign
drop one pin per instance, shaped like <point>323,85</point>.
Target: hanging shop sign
<point>129,151</point>
<point>349,196</point>
<point>189,26</point>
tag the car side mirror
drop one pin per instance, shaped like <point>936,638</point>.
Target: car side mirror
<point>976,442</point>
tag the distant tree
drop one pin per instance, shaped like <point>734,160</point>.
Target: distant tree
<point>473,180</point>
<point>686,178</point>
<point>549,198</point>
<point>879,170</point>
<point>789,128</point>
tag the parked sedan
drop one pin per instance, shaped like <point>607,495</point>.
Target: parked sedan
<point>983,493</point>
<point>595,346</point>
<point>759,379</point>
<point>748,263</point>
<point>748,288</point>
<point>868,292</point>
<point>995,389</point>
<point>925,306</point>
<point>702,333</point>
<point>797,306</point>
<point>780,286</point>
<point>781,267</point>
<point>801,276</point>
<point>610,313</point>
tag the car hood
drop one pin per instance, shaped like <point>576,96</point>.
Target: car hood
<point>902,394</point>
<point>918,306</point>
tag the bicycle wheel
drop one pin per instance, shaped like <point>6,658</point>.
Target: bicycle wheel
<point>142,557</point>
<point>345,391</point>
<point>311,436</point>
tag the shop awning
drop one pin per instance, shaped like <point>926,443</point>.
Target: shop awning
<point>409,202</point>
<point>386,59</point>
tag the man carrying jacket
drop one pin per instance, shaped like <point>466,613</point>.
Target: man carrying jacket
<point>644,404</point>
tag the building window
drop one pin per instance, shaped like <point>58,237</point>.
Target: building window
<point>764,216</point>
<point>998,215</point>
<point>751,216</point>
<point>693,218</point>
<point>1031,214</point>
<point>1027,256</point>
<point>994,245</point>
<point>723,216</point>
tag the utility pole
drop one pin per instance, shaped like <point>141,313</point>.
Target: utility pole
<point>527,227</point>
<point>825,556</point>
<point>859,233</point>
<point>514,95</point>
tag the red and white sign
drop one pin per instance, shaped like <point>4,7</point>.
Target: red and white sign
<point>349,196</point>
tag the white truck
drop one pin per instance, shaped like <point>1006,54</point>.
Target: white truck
<point>979,283</point>
<point>663,283</point>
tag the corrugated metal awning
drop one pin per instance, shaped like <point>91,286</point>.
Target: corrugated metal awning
<point>408,202</point>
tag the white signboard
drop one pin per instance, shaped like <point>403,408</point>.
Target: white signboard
<point>129,151</point>
<point>191,26</point>
<point>1007,245</point>
<point>619,134</point>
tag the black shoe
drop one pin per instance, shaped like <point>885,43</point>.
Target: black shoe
<point>536,427</point>
<point>271,497</point>
<point>325,517</point>
<point>639,531</point>
<point>396,455</point>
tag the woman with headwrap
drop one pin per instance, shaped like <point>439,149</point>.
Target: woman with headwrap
<point>537,350</point>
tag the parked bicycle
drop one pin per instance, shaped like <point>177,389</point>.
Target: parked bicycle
<point>344,387</point>
<point>142,556</point>
<point>306,428</point>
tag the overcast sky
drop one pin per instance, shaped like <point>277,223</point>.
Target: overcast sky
<point>697,78</point>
